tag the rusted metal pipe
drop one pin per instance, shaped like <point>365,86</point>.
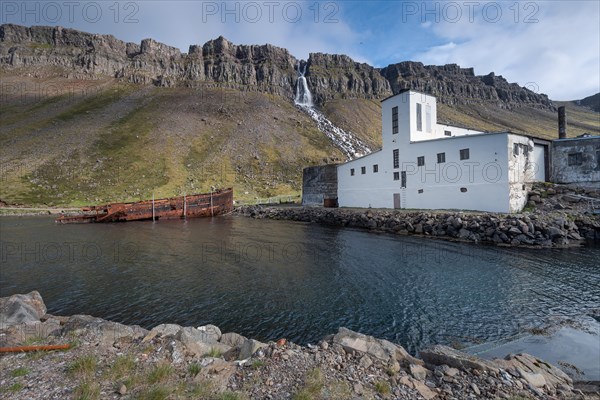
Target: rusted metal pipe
<point>48,347</point>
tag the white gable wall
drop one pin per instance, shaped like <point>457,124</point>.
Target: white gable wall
<point>367,190</point>
<point>481,182</point>
<point>478,183</point>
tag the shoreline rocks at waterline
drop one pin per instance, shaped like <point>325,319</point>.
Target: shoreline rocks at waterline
<point>115,361</point>
<point>531,230</point>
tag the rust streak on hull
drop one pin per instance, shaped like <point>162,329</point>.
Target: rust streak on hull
<point>193,206</point>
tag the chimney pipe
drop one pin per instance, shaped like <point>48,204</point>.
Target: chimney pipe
<point>562,123</point>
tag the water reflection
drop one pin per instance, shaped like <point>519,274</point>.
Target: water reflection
<point>272,279</point>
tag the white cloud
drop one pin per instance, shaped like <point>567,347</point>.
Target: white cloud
<point>559,53</point>
<point>296,26</point>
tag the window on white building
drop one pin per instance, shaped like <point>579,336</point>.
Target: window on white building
<point>363,170</point>
<point>403,183</point>
<point>516,149</point>
<point>420,161</point>
<point>575,158</point>
<point>464,154</point>
<point>394,120</point>
<point>441,158</point>
<point>396,157</point>
<point>375,168</point>
<point>351,171</point>
<point>447,133</point>
<point>419,118</point>
<point>428,118</point>
<point>396,176</point>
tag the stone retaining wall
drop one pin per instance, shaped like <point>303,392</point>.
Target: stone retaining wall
<point>531,229</point>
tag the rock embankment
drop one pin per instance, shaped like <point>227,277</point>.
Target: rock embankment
<point>556,217</point>
<point>109,360</point>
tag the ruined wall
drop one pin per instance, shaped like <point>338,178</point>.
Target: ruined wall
<point>319,183</point>
<point>576,160</point>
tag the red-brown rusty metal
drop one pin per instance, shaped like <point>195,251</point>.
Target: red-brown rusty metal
<point>35,348</point>
<point>330,203</point>
<point>197,205</point>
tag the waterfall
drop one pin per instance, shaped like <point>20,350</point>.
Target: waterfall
<point>349,144</point>
<point>303,96</point>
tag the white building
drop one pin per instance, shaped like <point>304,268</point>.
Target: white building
<point>426,165</point>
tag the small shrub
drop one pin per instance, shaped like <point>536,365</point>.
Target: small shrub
<point>87,391</point>
<point>154,393</point>
<point>256,364</point>
<point>339,390</point>
<point>194,369</point>
<point>21,371</point>
<point>33,341</point>
<point>313,384</point>
<point>202,389</point>
<point>122,366</point>
<point>214,352</point>
<point>160,373</point>
<point>16,387</point>
<point>383,388</point>
<point>85,366</point>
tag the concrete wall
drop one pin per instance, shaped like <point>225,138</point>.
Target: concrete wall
<point>319,183</point>
<point>587,172</point>
<point>478,183</point>
<point>371,189</point>
<point>521,166</point>
<point>495,177</point>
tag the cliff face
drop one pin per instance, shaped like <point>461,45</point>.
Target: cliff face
<point>263,68</point>
<point>333,76</point>
<point>455,85</point>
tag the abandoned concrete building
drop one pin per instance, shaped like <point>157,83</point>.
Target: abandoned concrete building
<point>426,165</point>
<point>576,160</point>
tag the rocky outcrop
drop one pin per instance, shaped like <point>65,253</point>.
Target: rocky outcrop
<point>452,84</point>
<point>264,68</point>
<point>591,102</point>
<point>105,356</point>
<point>84,55</point>
<point>528,229</point>
<point>378,348</point>
<point>21,308</point>
<point>333,76</point>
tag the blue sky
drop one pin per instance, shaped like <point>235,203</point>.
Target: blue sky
<point>551,47</point>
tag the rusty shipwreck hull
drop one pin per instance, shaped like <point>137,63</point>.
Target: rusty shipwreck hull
<point>193,206</point>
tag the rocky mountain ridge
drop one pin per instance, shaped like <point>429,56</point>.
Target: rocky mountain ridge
<point>263,68</point>
<point>591,102</point>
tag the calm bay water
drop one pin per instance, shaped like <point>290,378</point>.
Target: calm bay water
<point>273,279</point>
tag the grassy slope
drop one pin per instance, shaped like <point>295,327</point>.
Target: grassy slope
<point>70,142</point>
<point>365,117</point>
<point>361,117</point>
<point>124,142</point>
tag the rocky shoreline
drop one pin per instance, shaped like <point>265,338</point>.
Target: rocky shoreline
<point>556,216</point>
<point>108,360</point>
